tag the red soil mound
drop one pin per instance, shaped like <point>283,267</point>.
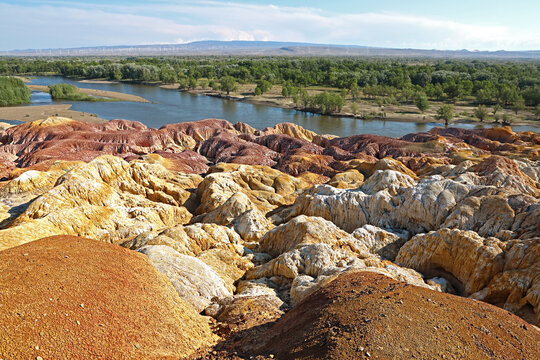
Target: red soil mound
<point>362,315</point>
<point>72,298</point>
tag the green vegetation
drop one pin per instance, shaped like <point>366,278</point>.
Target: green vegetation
<point>70,92</point>
<point>326,102</point>
<point>445,113</point>
<point>228,84</point>
<point>422,102</point>
<point>497,84</point>
<point>13,91</point>
<point>481,113</point>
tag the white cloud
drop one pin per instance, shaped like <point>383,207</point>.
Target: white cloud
<point>61,24</point>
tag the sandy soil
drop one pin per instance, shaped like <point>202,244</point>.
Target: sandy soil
<point>101,93</point>
<point>99,81</point>
<point>32,113</point>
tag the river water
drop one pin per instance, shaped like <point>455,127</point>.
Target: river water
<point>172,106</point>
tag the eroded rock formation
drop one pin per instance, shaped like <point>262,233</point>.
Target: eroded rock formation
<point>247,224</point>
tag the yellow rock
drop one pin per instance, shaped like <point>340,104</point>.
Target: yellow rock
<point>107,199</point>
<point>267,188</point>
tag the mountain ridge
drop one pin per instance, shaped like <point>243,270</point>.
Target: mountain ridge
<point>267,48</point>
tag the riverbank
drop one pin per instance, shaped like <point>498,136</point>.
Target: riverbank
<point>366,109</point>
<point>99,93</point>
<point>32,113</point>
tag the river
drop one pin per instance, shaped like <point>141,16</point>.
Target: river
<point>172,106</point>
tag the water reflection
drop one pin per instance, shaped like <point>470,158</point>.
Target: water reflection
<point>171,106</point>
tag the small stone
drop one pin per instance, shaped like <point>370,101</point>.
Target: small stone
<point>137,346</point>
<point>78,323</point>
<point>101,324</point>
<point>39,358</point>
<point>41,333</point>
<point>82,305</point>
<point>271,356</point>
<point>368,354</point>
<point>36,347</point>
<point>66,256</point>
<point>25,254</point>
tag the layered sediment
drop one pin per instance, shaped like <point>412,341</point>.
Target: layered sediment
<point>247,225</point>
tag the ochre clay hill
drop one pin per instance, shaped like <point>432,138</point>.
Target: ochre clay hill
<point>366,315</point>
<point>73,298</point>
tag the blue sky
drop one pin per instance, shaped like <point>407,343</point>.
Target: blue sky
<point>458,24</point>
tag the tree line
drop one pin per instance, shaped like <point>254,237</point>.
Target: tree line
<point>506,84</point>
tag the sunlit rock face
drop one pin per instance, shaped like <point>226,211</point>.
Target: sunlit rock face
<point>107,199</point>
<point>246,220</point>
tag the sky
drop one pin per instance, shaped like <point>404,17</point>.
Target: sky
<point>434,24</point>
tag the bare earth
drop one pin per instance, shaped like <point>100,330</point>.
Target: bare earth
<point>101,93</point>
<point>32,113</point>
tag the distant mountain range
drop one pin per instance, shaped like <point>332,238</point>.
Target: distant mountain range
<point>268,48</point>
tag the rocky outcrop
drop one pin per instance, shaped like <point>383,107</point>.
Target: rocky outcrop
<point>193,280</point>
<point>505,273</point>
<point>265,187</point>
<point>379,241</point>
<point>107,199</point>
<point>190,240</point>
<point>242,219</point>
<point>69,297</point>
<point>304,230</point>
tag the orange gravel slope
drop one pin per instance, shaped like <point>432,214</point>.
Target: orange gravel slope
<point>66,297</point>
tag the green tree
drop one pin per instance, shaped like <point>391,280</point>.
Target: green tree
<point>264,86</point>
<point>355,108</point>
<point>183,83</point>
<point>192,83</point>
<point>304,98</point>
<point>228,84</point>
<point>537,111</point>
<point>454,91</point>
<point>327,102</point>
<point>168,74</point>
<point>446,113</point>
<point>257,91</point>
<point>203,83</point>
<point>507,119</point>
<point>496,108</point>
<point>285,91</point>
<point>422,102</point>
<point>518,105</point>
<point>481,113</point>
<point>354,89</point>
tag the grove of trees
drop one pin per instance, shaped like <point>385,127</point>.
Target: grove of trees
<point>13,91</point>
<point>512,85</point>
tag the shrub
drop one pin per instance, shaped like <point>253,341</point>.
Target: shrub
<point>69,92</point>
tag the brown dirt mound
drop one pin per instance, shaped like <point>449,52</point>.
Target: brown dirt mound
<point>72,298</point>
<point>362,315</point>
